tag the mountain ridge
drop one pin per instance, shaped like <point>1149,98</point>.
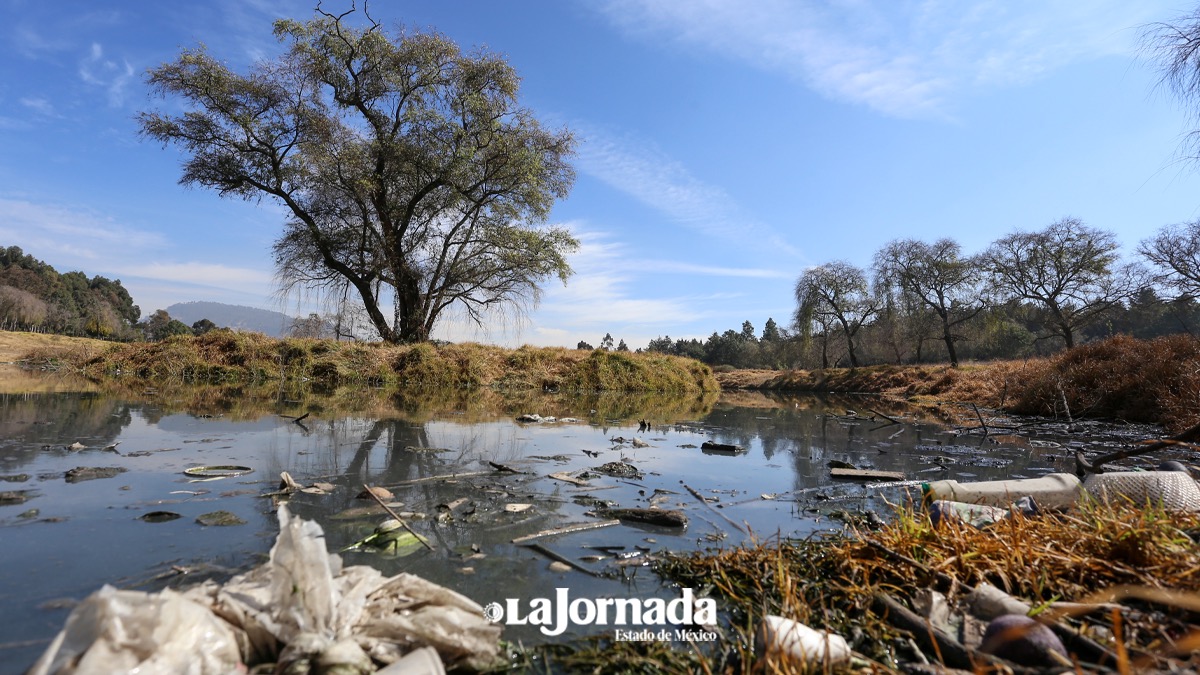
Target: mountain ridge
<point>240,317</point>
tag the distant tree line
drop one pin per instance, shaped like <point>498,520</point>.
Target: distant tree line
<point>36,297</point>
<point>1028,293</point>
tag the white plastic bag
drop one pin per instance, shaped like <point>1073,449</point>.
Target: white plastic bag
<point>162,633</point>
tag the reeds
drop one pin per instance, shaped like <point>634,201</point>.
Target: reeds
<point>1145,559</point>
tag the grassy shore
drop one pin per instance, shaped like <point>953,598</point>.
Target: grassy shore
<point>224,356</point>
<point>1153,381</point>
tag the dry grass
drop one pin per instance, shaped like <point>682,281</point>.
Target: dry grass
<point>1124,555</point>
<point>16,346</point>
<point>224,356</point>
<point>1155,381</point>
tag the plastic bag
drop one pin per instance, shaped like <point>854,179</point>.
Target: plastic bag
<point>163,633</point>
<point>300,607</point>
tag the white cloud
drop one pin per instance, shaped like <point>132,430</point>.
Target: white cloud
<point>39,105</point>
<point>112,76</point>
<point>71,238</point>
<point>599,293</point>
<point>646,174</point>
<point>66,232</point>
<point>905,58</point>
<point>201,273</point>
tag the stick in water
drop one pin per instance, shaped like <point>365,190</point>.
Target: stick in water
<point>397,517</point>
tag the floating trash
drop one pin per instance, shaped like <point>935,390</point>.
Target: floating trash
<point>219,518</point>
<point>159,516</point>
<point>218,471</point>
<point>82,473</point>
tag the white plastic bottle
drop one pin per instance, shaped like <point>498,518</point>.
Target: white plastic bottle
<point>779,637</point>
<point>1052,491</point>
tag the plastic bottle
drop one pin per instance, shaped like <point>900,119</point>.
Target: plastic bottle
<point>1052,491</point>
<point>1173,490</point>
<point>779,637</point>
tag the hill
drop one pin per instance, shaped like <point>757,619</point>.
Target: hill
<point>35,296</point>
<point>275,324</point>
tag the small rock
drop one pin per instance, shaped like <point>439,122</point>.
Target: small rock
<point>557,566</point>
<point>1022,640</point>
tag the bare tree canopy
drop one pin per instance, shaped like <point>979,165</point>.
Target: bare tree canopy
<point>939,276</point>
<point>1069,269</point>
<point>1175,250</point>
<point>409,171</point>
<point>835,292</point>
<point>1175,46</point>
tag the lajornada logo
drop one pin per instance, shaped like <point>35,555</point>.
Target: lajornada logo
<point>553,615</point>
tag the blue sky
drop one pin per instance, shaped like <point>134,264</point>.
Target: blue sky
<point>725,145</point>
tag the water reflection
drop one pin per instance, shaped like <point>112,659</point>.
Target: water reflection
<point>457,460</point>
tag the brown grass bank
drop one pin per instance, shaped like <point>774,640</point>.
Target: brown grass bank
<point>1141,561</point>
<point>1153,381</point>
<point>229,356</point>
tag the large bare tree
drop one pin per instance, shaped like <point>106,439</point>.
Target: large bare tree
<point>408,169</point>
<point>939,277</point>
<point>1175,250</point>
<point>1175,46</point>
<point>1068,269</point>
<point>835,292</point>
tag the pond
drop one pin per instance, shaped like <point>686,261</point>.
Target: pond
<point>471,475</point>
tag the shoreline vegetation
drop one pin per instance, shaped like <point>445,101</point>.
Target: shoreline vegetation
<point>1121,378</point>
<point>858,583</point>
<point>225,356</point>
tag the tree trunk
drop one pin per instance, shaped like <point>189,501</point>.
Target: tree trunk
<point>850,350</point>
<point>1068,336</point>
<point>949,339</point>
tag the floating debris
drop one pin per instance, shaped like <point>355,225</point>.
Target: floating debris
<point>215,472</point>
<point>619,470</point>
<point>391,537</point>
<point>380,492</point>
<point>260,618</point>
<point>159,516</point>
<point>713,448</point>
<point>82,473</point>
<point>866,474</point>
<point>660,517</point>
<point>568,478</point>
<point>14,497</point>
<point>219,519</point>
